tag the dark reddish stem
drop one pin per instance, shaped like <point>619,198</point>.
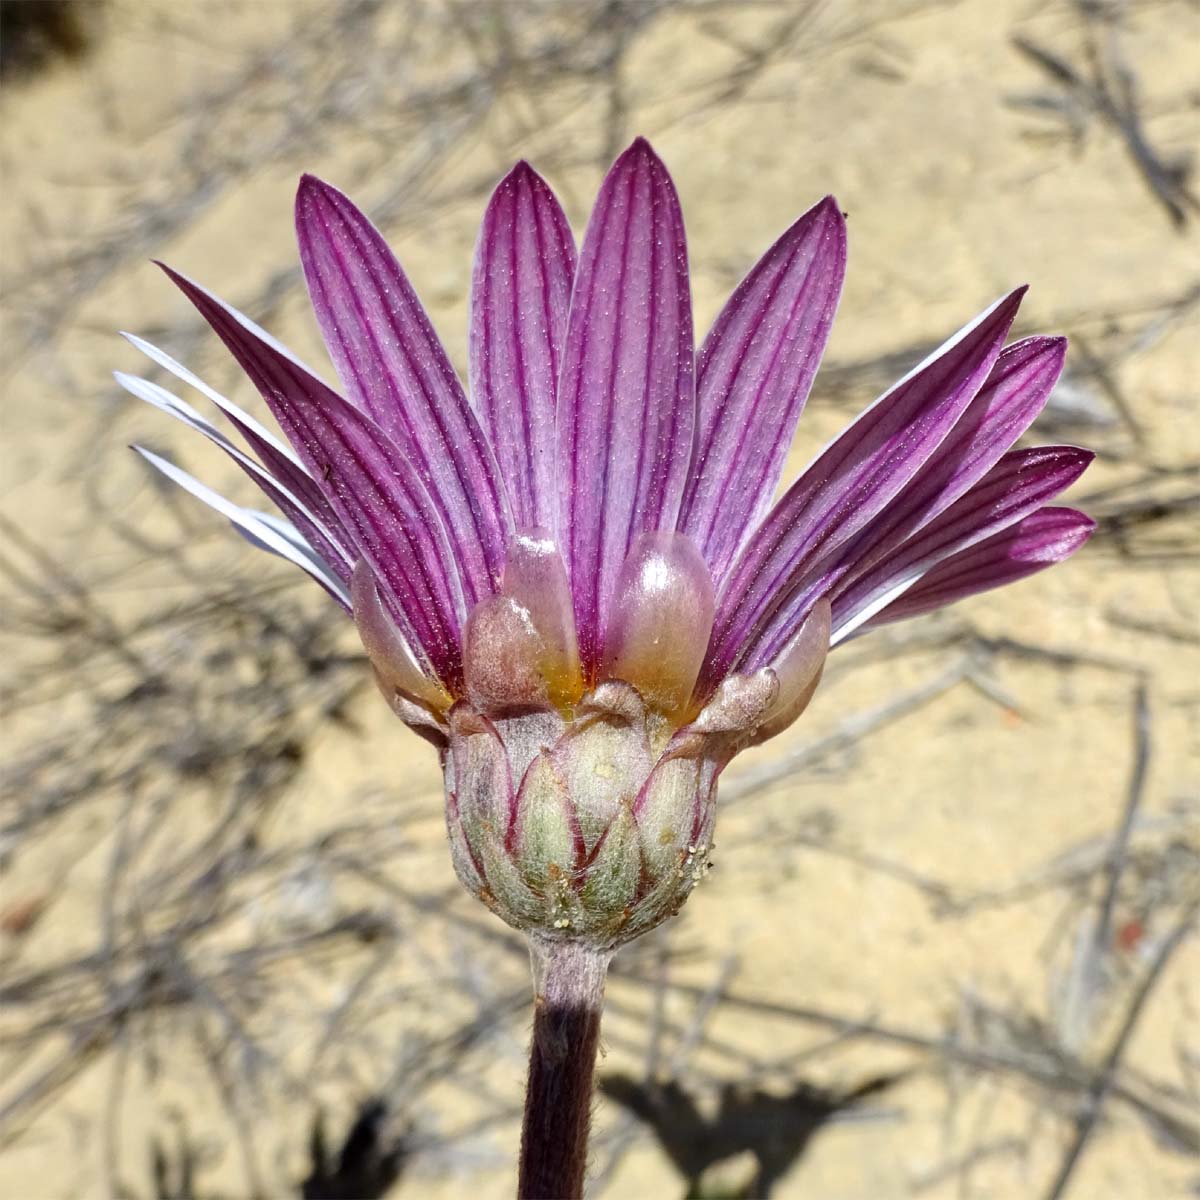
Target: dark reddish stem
<point>568,997</point>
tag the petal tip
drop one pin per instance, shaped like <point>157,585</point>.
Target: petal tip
<point>826,215</point>
<point>176,277</point>
<point>1005,309</point>
<point>1073,461</point>
<point>522,177</point>
<point>829,207</point>
<point>1002,313</point>
<point>313,194</point>
<point>521,172</point>
<point>640,150</point>
<point>313,185</point>
<point>834,221</point>
<point>1053,347</point>
<point>1075,527</point>
<point>316,201</point>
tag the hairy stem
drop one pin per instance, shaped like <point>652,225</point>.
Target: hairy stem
<point>568,987</point>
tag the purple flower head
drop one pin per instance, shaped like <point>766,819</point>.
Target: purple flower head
<point>576,581</point>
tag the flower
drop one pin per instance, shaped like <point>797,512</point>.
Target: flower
<point>576,583</point>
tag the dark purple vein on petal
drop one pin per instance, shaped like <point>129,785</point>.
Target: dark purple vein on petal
<point>375,492</point>
<point>753,375</point>
<point>391,361</point>
<point>1013,394</point>
<point>853,480</point>
<point>1041,540</point>
<point>520,297</point>
<point>626,399</point>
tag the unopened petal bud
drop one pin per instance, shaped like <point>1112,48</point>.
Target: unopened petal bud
<point>798,669</point>
<point>535,578</point>
<point>660,622</point>
<point>739,705</point>
<point>501,654</point>
<point>395,664</point>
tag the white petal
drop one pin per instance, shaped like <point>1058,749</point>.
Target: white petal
<point>849,625</point>
<point>177,369</point>
<point>158,397</point>
<point>262,532</point>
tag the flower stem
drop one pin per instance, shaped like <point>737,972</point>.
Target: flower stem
<point>568,986</point>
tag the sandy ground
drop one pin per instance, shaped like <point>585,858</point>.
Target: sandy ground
<point>226,909</point>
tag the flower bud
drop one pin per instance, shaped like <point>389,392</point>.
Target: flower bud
<point>502,651</point>
<point>520,651</point>
<point>535,579</point>
<point>661,620</point>
<point>596,826</point>
<point>798,669</point>
<point>396,667</point>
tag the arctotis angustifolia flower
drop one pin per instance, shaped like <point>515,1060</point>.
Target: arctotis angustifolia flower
<point>574,579</point>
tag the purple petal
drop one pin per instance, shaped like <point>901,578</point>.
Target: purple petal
<point>1039,541</point>
<point>520,297</point>
<point>626,401</point>
<point>394,368</point>
<point>753,376</point>
<point>1020,483</point>
<point>1006,405</point>
<point>374,490</point>
<point>852,481</point>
